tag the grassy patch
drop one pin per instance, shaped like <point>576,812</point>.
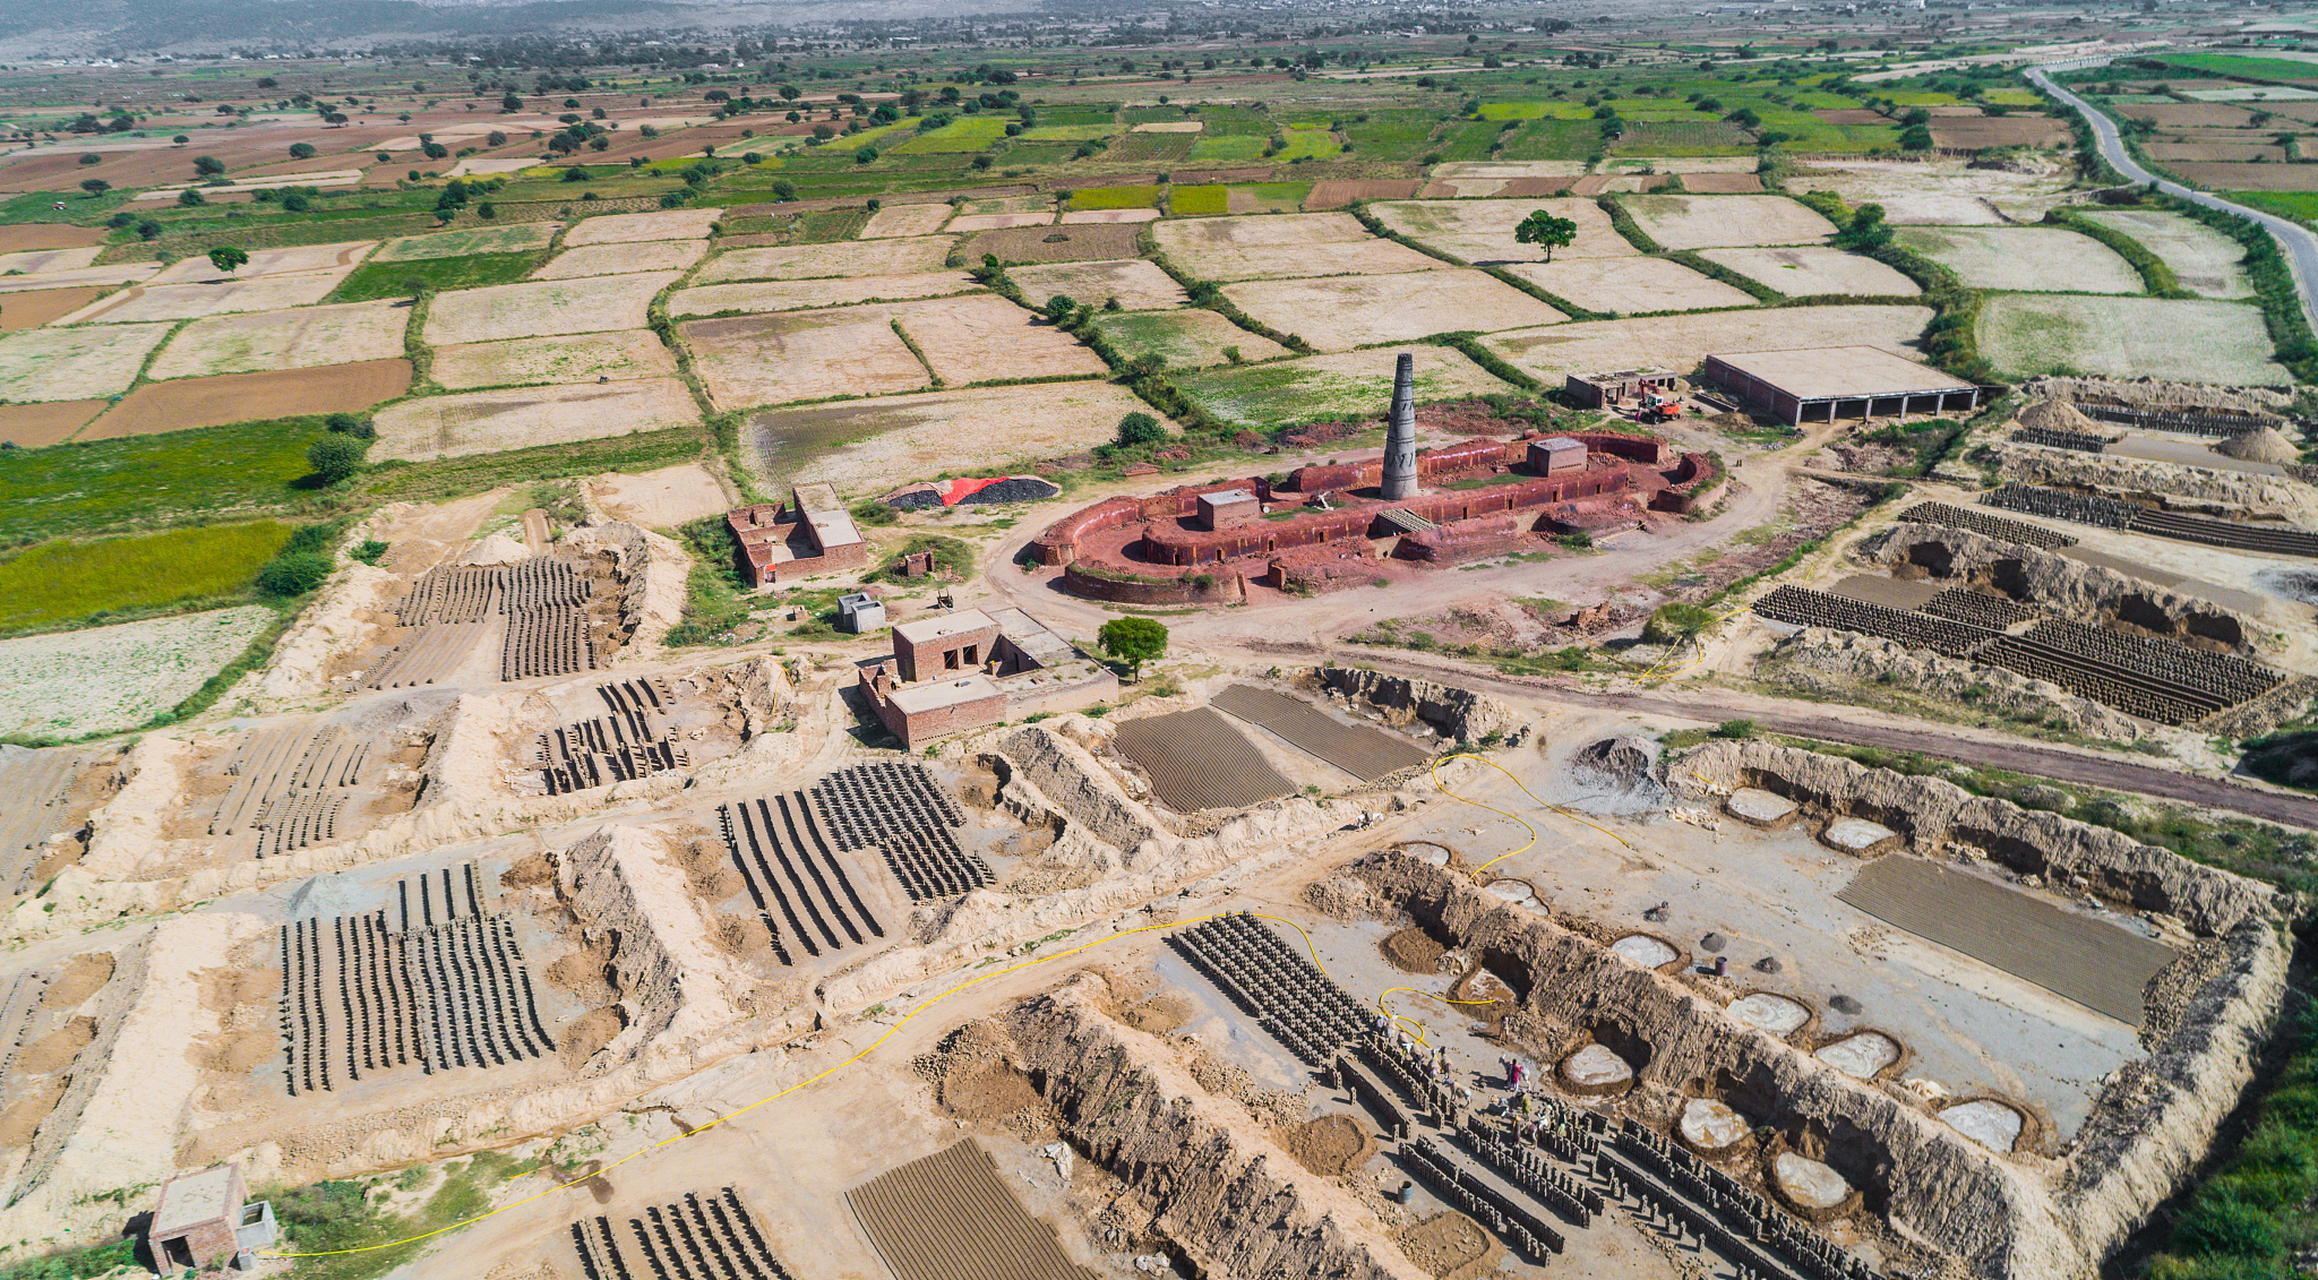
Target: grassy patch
<point>60,582</point>
<point>397,279</point>
<point>329,1216</point>
<point>972,133</point>
<point>1233,147</point>
<point>1198,201</point>
<point>104,485</point>
<point>453,477</point>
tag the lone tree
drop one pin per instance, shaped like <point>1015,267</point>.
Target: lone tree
<point>335,457</point>
<point>1543,228</point>
<point>95,186</point>
<point>1133,641</point>
<point>1141,428</point>
<point>228,258</point>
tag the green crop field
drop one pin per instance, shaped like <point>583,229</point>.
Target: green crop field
<point>2256,68</point>
<point>1139,148</point>
<point>113,484</point>
<point>1466,140</point>
<point>1390,135</point>
<point>1067,132</point>
<point>970,134</point>
<point>1534,111</point>
<point>1076,115</point>
<point>1229,120</point>
<point>1553,140</point>
<point>54,583</point>
<point>1195,201</point>
<point>393,279</point>
<point>1237,147</point>
<point>1310,142</point>
<point>1134,197</point>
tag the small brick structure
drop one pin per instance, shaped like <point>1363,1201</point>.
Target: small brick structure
<point>958,671</point>
<point>1606,390</point>
<point>1556,454</point>
<point>812,534</point>
<point>203,1220</point>
<point>1228,507</point>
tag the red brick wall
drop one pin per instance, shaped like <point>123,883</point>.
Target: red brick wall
<point>1179,590</point>
<point>924,661</point>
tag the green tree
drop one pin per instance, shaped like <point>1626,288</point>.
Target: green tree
<point>293,573</point>
<point>95,186</point>
<point>1866,230</point>
<point>189,197</point>
<point>335,457</point>
<point>1140,428</point>
<point>208,166</point>
<point>1059,307</point>
<point>1543,228</point>
<point>1133,641</point>
<point>301,151</point>
<point>228,258</point>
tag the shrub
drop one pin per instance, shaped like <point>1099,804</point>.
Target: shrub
<point>1140,428</point>
<point>1675,622</point>
<point>370,551</point>
<point>293,573</point>
<point>1735,729</point>
<point>335,457</point>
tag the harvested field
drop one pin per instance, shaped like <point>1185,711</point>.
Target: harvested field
<point>1137,284</point>
<point>29,426</point>
<point>1680,342</point>
<point>303,338</point>
<point>2192,340</point>
<point>141,302</point>
<point>1356,382</point>
<point>1281,245</point>
<point>2192,115</point>
<point>1971,133</point>
<point>1721,184</point>
<point>983,338</point>
<point>2169,152</point>
<point>586,357</point>
<point>519,237</point>
<point>974,222</point>
<point>543,308</point>
<point>1192,339</point>
<point>251,397</point>
<point>893,257</point>
<point>2026,259</point>
<point>1699,222</point>
<point>1482,230</point>
<point>1630,286</point>
<point>75,364</point>
<point>622,228</point>
<point>905,220</point>
<point>493,421</point>
<point>117,273</point>
<point>38,307</point>
<point>1198,760</point>
<point>622,259</point>
<point>801,295</point>
<point>1107,217</point>
<point>948,1217</point>
<point>34,261</point>
<point>1340,194</point>
<point>1938,192</point>
<point>1812,270</point>
<point>2217,176</point>
<point>1365,753</point>
<point>660,499</point>
<point>297,260</point>
<point>24,236</point>
<point>802,355</point>
<point>2082,958</point>
<point>2205,261</point>
<point>867,445</point>
<point>108,679</point>
<point>1343,312</point>
<point>1072,243</point>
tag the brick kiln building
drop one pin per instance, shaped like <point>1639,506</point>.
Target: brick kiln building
<point>1821,384</point>
<point>813,534</point>
<point>956,671</point>
<point>202,1220</point>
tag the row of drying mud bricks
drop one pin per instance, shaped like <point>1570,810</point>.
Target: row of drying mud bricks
<point>684,1241</point>
<point>1803,607</point>
<point>1726,1214</point>
<point>1980,522</point>
<point>1290,996</point>
<point>899,809</point>
<point>551,641</point>
<point>486,990</point>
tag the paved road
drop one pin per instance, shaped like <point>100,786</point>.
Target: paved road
<point>2301,246</point>
<point>2058,764</point>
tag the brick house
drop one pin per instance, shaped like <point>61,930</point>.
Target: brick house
<point>812,534</point>
<point>953,672</point>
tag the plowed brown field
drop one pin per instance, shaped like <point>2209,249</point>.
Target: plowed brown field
<point>251,397</point>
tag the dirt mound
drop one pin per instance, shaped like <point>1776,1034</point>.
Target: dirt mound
<point>1160,1014</point>
<point>988,1090</point>
<point>238,1054</point>
<point>23,1116</point>
<point>528,873</point>
<point>58,1048</point>
<point>588,1033</point>
<point>1622,762</point>
<point>1446,1244</point>
<point>82,978</point>
<point>1331,1145</point>
<point>1414,951</point>
<point>2057,415</point>
<point>2267,444</point>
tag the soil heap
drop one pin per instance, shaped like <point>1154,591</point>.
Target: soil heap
<point>2057,415</point>
<point>2265,444</point>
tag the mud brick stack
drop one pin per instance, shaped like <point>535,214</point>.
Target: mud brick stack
<point>711,1237</point>
<point>801,887</point>
<point>898,809</point>
<point>1287,993</point>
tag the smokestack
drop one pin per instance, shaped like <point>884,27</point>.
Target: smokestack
<point>1400,434</point>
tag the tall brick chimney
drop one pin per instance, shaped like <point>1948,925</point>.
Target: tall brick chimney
<point>1400,434</point>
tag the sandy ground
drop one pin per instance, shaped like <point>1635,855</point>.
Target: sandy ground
<point>191,301</point>
<point>1937,192</point>
<point>1698,222</point>
<point>33,261</point>
<point>799,295</point>
<point>1137,284</point>
<point>999,221</point>
<point>29,426</point>
<point>491,421</point>
<point>1189,339</point>
<point>1343,312</point>
<point>905,220</point>
<point>802,355</point>
<point>619,228</point>
<point>298,339</point>
<point>543,308</point>
<point>872,445</point>
<point>1631,285</point>
<point>1680,342</point>
<point>586,357</point>
<point>513,238</point>
<point>660,499</point>
<point>116,273</point>
<point>1295,244</point>
<point>1811,270</point>
<point>2204,260</point>
<point>74,364</point>
<point>2194,340</point>
<point>1482,230</point>
<point>107,679</point>
<point>621,259</point>
<point>48,235</point>
<point>36,308</point>
<point>251,397</point>
<point>888,257</point>
<point>341,257</point>
<point>2029,259</point>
